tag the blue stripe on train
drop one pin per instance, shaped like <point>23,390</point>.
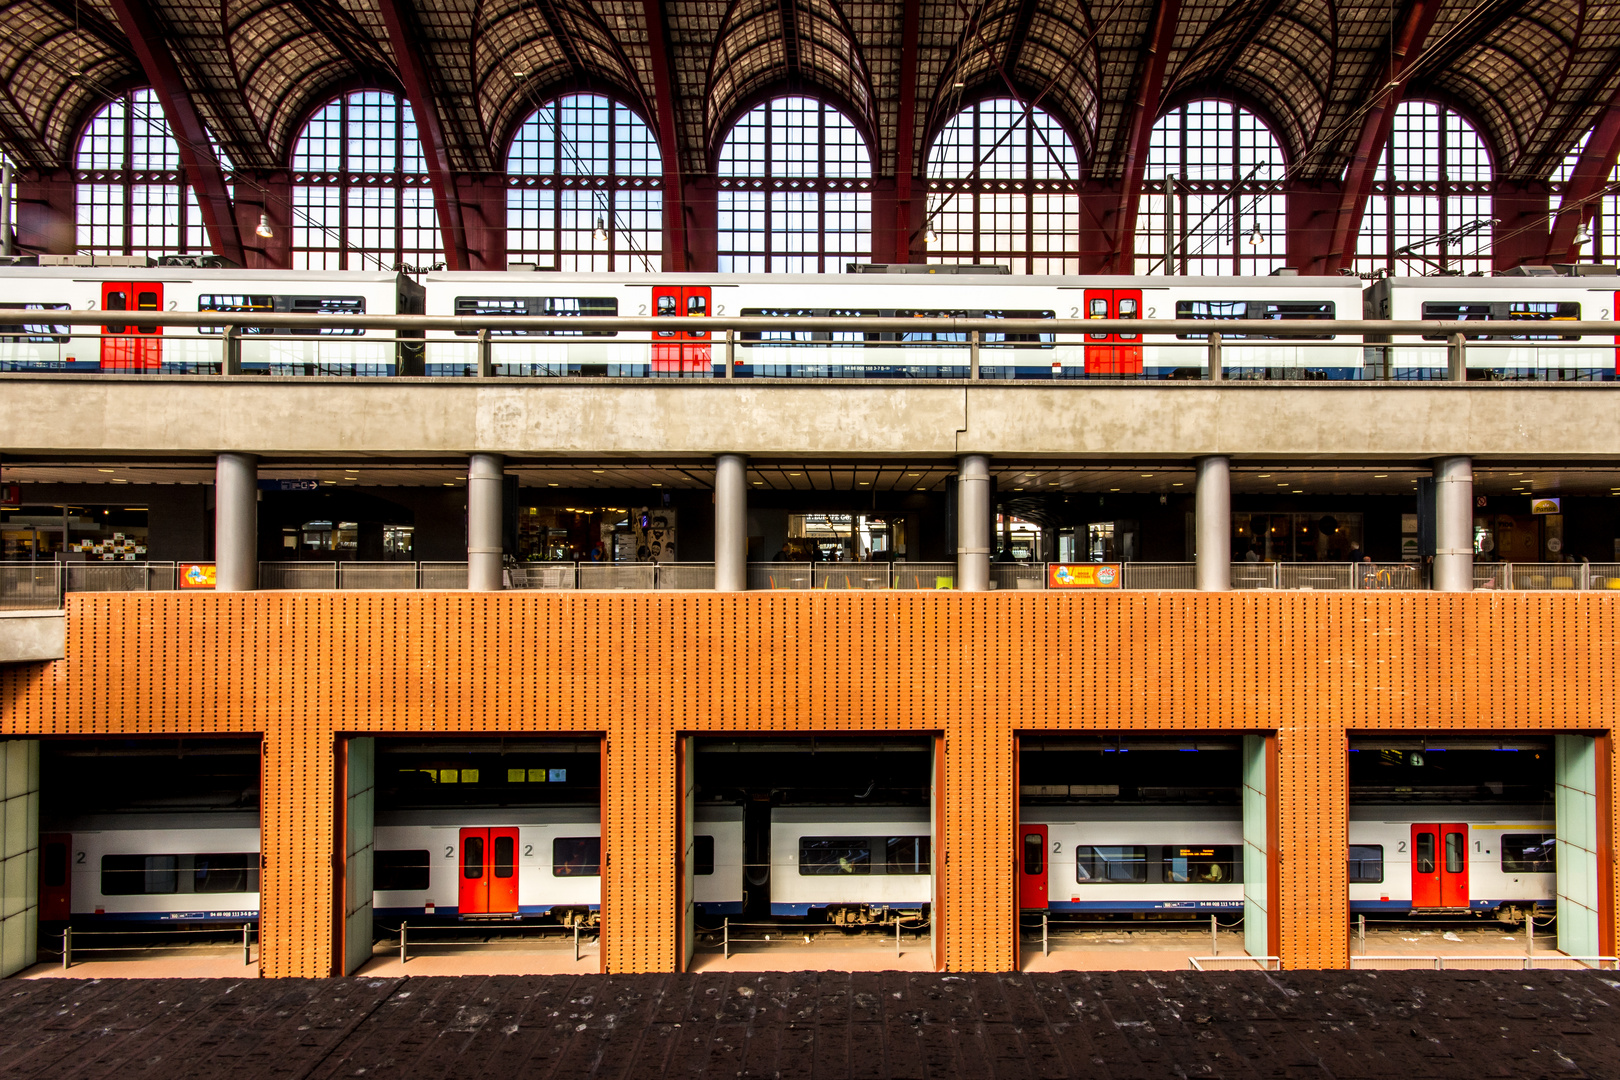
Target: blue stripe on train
<point>164,916</point>
<point>734,907</point>
<point>451,911</point>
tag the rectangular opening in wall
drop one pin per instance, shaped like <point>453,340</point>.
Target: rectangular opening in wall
<point>150,856</point>
<point>812,852</point>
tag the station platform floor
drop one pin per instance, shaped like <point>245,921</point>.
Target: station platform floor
<point>1119,1025</point>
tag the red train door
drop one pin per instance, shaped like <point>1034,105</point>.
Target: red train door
<point>1032,867</point>
<point>489,877</point>
<point>1440,866</point>
<point>684,352</point>
<point>1113,354</point>
<point>55,877</point>
<point>131,348</point>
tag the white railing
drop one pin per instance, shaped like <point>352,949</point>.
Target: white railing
<point>1005,575</point>
<point>850,575</point>
<point>779,575</point>
<point>685,575</point>
<point>298,575</point>
<point>618,575</point>
<point>923,575</point>
<point>376,575</point>
<point>442,575</point>
<point>1176,575</point>
<point>558,575</point>
<point>1504,962</point>
<point>30,586</point>
<point>119,577</point>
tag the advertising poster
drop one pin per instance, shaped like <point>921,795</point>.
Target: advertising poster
<point>197,575</point>
<point>1083,576</point>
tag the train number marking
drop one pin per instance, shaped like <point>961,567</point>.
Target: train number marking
<point>528,851</point>
<point>1057,847</point>
<point>642,310</point>
<point>1401,846</point>
<point>719,309</point>
<point>89,305</point>
<point>1152,312</point>
<point>80,859</point>
<point>1074,313</point>
<point>449,851</point>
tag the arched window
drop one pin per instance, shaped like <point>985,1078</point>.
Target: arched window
<point>132,197</point>
<point>1211,194</point>
<point>361,199</point>
<point>1430,208</point>
<point>1604,245</point>
<point>795,191</point>
<point>583,178</point>
<point>1001,189</point>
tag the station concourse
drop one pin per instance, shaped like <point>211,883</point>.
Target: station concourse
<point>902,492</point>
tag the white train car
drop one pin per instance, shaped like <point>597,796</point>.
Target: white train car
<point>34,343</point>
<point>1291,302</point>
<point>852,864</point>
<point>1129,859</point>
<point>1492,299</point>
<point>174,867</point>
<point>718,860</point>
<point>1403,859</point>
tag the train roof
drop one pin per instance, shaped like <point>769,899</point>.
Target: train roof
<point>492,816</point>
<point>813,815</point>
<point>1563,283</point>
<point>176,274</point>
<point>864,281</point>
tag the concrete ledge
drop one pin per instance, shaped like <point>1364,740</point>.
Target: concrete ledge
<point>31,636</point>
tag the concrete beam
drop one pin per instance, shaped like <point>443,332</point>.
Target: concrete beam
<point>205,415</point>
<point>29,637</point>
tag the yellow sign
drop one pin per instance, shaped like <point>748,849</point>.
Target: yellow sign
<point>197,575</point>
<point>1083,576</point>
<point>1545,506</point>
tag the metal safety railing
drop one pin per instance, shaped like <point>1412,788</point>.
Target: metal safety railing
<point>1235,962</point>
<point>1482,962</point>
<point>785,933</point>
<point>73,940</point>
<point>42,585</point>
<point>409,940</point>
<point>848,347</point>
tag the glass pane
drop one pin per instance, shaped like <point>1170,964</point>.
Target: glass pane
<point>703,856</point>
<point>1423,856</point>
<point>472,858</point>
<point>834,855</point>
<point>576,856</point>
<point>1455,849</point>
<point>1034,853</point>
<point>505,856</point>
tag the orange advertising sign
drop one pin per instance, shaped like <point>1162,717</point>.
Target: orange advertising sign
<point>1083,576</point>
<point>197,575</point>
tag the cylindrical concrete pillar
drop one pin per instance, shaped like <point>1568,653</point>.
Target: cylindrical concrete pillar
<point>1454,525</point>
<point>1213,524</point>
<point>730,523</point>
<point>485,478</point>
<point>236,523</point>
<point>973,523</point>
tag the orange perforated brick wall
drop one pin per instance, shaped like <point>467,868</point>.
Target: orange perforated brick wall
<point>638,669</point>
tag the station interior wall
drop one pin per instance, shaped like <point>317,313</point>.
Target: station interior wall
<point>644,669</point>
<point>19,854</point>
<point>181,522</point>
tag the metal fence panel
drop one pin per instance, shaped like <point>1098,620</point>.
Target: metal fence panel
<point>30,586</point>
<point>779,575</point>
<point>685,575</point>
<point>119,577</point>
<point>1146,575</point>
<point>1545,575</point>
<point>1490,575</point>
<point>1017,575</point>
<point>923,575</point>
<point>618,575</point>
<point>1388,576</point>
<point>1315,575</point>
<point>441,575</point>
<point>298,575</point>
<point>1603,575</point>
<point>558,575</point>
<point>1254,575</point>
<point>851,575</point>
<point>376,575</point>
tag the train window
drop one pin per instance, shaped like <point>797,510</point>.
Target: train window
<point>995,337</point>
<point>929,337</point>
<point>55,865</point>
<point>1529,853</point>
<point>576,856</point>
<point>1034,853</point>
<point>1366,864</point>
<point>1110,865</point>
<point>115,301</point>
<point>261,303</point>
<point>1455,845</point>
<point>909,855</point>
<point>847,337</point>
<point>400,871</point>
<point>1206,864</point>
<point>472,858</point>
<point>1529,310</point>
<point>833,855</point>
<point>1423,853</point>
<point>535,306</point>
<point>33,333</point>
<point>138,875</point>
<point>1266,310</point>
<point>505,855</point>
<point>232,872</point>
<point>703,856</point>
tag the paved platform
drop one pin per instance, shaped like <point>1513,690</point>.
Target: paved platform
<point>1114,1025</point>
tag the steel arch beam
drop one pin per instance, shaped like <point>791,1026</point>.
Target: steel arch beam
<point>1144,114</point>
<point>1590,177</point>
<point>413,76</point>
<point>674,202</point>
<point>1373,136</point>
<point>147,39</point>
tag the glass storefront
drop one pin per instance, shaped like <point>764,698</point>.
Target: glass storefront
<point>79,532</point>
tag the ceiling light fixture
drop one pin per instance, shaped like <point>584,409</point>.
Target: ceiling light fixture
<point>264,231</point>
<point>601,231</point>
